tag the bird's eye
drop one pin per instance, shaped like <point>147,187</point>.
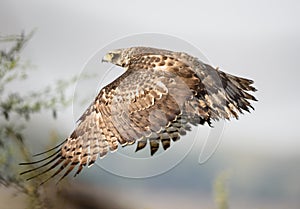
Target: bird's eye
<point>111,55</point>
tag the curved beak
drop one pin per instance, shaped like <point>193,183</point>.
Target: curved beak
<point>107,58</point>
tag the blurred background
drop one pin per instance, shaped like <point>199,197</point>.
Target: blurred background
<point>257,162</point>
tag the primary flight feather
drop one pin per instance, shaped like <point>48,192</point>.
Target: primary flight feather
<point>157,98</point>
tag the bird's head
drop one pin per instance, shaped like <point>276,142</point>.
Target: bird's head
<point>117,57</point>
<point>122,57</point>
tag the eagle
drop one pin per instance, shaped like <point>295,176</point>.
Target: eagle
<point>156,100</point>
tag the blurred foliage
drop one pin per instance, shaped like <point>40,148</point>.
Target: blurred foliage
<point>220,190</point>
<point>16,110</point>
<point>13,69</point>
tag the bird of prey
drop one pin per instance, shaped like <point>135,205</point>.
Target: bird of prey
<point>155,101</point>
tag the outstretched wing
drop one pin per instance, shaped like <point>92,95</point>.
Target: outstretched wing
<point>154,101</point>
<point>146,102</point>
<point>224,95</point>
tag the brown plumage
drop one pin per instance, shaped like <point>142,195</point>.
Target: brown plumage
<point>160,95</point>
